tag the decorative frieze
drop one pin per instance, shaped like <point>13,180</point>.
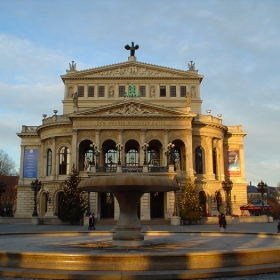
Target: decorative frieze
<point>131,109</point>
<point>133,70</point>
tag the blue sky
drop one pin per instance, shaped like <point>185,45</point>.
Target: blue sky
<point>234,44</point>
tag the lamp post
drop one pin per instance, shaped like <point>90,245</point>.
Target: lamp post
<point>119,147</point>
<point>2,190</point>
<point>262,188</point>
<point>227,187</point>
<point>35,187</point>
<point>145,147</point>
<point>169,148</point>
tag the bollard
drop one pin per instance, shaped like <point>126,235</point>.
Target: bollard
<point>278,227</point>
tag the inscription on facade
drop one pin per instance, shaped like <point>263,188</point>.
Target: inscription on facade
<point>130,123</point>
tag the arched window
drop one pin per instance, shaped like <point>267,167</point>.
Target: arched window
<point>219,200</point>
<point>132,157</point>
<point>89,154</point>
<point>202,201</point>
<point>175,153</point>
<point>199,160</point>
<point>215,161</point>
<point>64,158</point>
<point>111,160</point>
<point>153,156</point>
<point>49,162</point>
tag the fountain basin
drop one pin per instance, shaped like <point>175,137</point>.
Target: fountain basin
<point>128,190</point>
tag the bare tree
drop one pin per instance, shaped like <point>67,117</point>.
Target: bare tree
<point>7,165</point>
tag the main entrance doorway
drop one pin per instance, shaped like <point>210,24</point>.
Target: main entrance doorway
<point>157,205</point>
<point>107,206</point>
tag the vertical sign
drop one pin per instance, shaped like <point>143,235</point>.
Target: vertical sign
<point>30,163</point>
<point>233,163</point>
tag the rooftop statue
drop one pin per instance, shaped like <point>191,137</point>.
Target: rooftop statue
<point>132,48</point>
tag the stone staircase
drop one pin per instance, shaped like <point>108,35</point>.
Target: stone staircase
<point>112,222</point>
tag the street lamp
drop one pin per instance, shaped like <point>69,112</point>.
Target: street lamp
<point>35,187</point>
<point>262,188</point>
<point>2,190</point>
<point>119,147</point>
<point>145,147</point>
<point>169,148</point>
<point>227,187</point>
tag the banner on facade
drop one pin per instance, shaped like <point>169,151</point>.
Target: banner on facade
<point>30,163</point>
<point>233,163</point>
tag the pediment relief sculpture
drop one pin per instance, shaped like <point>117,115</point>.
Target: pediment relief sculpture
<point>132,109</point>
<point>135,70</point>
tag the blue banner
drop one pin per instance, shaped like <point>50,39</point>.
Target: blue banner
<point>30,163</point>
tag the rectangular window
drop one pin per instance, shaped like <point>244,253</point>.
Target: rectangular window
<point>101,91</point>
<point>81,91</point>
<point>162,91</point>
<point>121,91</point>
<point>142,90</point>
<point>172,91</point>
<point>90,91</point>
<point>183,91</point>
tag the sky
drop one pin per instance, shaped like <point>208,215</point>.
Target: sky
<point>235,44</point>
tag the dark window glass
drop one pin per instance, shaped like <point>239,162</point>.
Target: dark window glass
<point>162,91</point>
<point>199,160</point>
<point>81,91</point>
<point>142,90</point>
<point>183,91</point>
<point>64,161</point>
<point>172,91</point>
<point>101,91</point>
<point>49,162</point>
<point>214,161</point>
<point>121,91</point>
<point>91,91</point>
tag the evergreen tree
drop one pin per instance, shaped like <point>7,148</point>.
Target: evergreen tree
<point>72,205</point>
<point>190,204</point>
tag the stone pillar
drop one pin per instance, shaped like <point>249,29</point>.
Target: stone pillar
<point>189,153</point>
<point>43,160</point>
<point>145,207</point>
<point>221,160</point>
<point>142,154</point>
<point>165,143</point>
<point>22,147</point>
<point>97,141</point>
<point>209,157</point>
<point>242,162</point>
<point>54,170</point>
<point>74,148</point>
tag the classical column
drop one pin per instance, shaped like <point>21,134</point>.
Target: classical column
<point>54,171</point>
<point>74,148</point>
<point>221,160</point>
<point>120,151</point>
<point>209,158</point>
<point>143,154</point>
<point>22,147</point>
<point>165,143</point>
<point>241,161</point>
<point>189,153</point>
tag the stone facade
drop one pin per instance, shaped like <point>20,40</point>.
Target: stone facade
<point>132,117</point>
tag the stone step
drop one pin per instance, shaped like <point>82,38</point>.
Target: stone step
<point>112,222</point>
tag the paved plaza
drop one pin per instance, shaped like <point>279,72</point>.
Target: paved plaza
<point>68,239</point>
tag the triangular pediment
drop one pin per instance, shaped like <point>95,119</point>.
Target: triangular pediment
<point>131,69</point>
<point>130,108</point>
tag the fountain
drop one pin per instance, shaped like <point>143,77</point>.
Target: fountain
<point>128,189</point>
